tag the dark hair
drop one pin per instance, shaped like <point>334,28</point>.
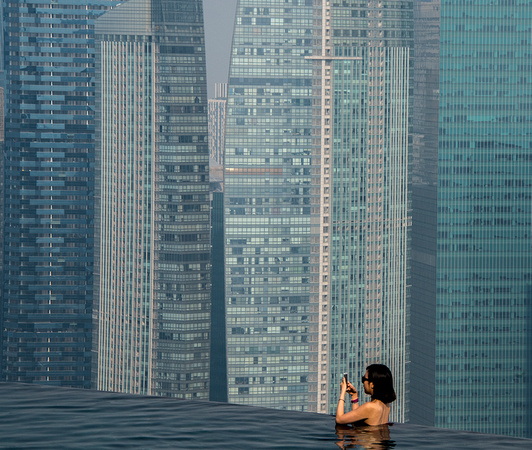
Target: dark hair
<point>382,380</point>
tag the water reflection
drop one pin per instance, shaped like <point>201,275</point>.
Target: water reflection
<point>365,436</point>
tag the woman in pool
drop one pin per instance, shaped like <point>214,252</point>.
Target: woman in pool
<point>378,383</point>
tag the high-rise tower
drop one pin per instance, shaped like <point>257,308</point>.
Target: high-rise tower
<point>49,184</point>
<point>317,198</point>
<point>364,56</point>
<point>481,255</point>
<point>424,211</point>
<point>271,189</point>
<point>152,307</point>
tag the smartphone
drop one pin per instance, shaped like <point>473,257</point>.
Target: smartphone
<point>345,377</point>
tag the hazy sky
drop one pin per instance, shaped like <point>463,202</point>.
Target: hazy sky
<point>219,16</point>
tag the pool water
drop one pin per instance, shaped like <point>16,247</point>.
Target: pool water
<point>45,417</point>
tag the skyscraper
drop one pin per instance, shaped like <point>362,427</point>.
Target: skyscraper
<point>270,192</point>
<point>218,368</point>
<point>424,211</point>
<point>317,199</point>
<point>482,257</point>
<point>365,62</point>
<point>49,183</point>
<point>152,308</point>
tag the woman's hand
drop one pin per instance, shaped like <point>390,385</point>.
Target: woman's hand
<point>351,389</point>
<point>357,412</point>
<point>343,387</point>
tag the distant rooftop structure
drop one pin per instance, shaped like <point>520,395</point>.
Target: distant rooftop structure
<point>220,91</point>
<point>217,117</point>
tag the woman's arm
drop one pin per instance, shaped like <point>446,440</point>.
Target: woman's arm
<point>355,415</point>
<point>357,412</point>
<point>354,396</point>
<point>341,401</point>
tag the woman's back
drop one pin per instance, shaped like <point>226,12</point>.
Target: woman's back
<point>378,413</point>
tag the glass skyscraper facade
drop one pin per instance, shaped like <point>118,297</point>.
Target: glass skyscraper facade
<point>218,369</point>
<point>483,256</point>
<point>271,193</point>
<point>365,62</point>
<point>152,307</point>
<point>2,184</point>
<point>424,210</point>
<point>317,199</point>
<point>484,301</point>
<point>48,192</point>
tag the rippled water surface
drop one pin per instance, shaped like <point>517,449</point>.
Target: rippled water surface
<point>48,417</point>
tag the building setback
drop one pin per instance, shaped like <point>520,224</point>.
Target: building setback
<point>47,294</point>
<point>152,307</point>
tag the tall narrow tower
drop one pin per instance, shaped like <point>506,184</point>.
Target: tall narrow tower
<point>364,57</point>
<point>152,308</point>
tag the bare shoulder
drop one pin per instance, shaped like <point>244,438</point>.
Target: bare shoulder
<point>372,406</point>
<point>368,408</point>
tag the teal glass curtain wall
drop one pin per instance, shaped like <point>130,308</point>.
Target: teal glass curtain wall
<point>484,303</point>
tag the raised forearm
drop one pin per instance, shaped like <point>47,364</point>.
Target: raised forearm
<point>340,408</point>
<point>354,401</point>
